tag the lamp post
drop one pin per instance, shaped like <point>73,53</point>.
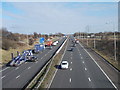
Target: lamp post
<point>115,46</point>
<point>94,41</point>
<point>115,52</point>
<point>87,29</point>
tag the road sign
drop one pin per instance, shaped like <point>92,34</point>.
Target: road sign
<point>42,39</point>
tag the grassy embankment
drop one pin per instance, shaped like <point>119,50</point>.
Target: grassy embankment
<point>6,54</point>
<point>104,48</point>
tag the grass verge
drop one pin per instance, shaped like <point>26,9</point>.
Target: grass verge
<point>52,68</point>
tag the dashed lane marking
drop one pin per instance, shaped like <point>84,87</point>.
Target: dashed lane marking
<point>29,67</point>
<point>4,69</point>
<point>83,62</point>
<point>17,68</point>
<point>2,77</point>
<point>18,76</point>
<point>89,79</point>
<point>85,69</point>
<point>70,80</point>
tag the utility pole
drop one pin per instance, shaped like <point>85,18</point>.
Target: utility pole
<point>114,43</point>
<point>115,46</point>
<point>79,35</point>
<point>94,41</point>
<point>115,55</point>
<point>87,29</point>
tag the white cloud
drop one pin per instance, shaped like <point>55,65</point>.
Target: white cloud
<point>57,17</point>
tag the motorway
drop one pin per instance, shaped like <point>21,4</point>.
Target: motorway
<point>18,77</point>
<point>83,71</point>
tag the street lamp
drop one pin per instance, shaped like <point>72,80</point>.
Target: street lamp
<point>87,29</point>
<point>115,52</point>
<point>115,46</point>
<point>94,41</point>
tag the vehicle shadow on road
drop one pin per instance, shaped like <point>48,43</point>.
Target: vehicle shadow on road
<point>57,66</point>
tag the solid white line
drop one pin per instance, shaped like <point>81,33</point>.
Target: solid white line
<point>80,54</point>
<point>99,67</point>
<point>71,62</point>
<point>2,77</point>
<point>85,68</point>
<point>70,80</point>
<point>17,68</point>
<point>18,76</point>
<point>70,69</point>
<point>4,69</point>
<point>29,67</point>
<point>89,79</point>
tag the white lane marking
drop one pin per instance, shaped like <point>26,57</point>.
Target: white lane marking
<point>18,76</point>
<point>70,69</point>
<point>71,62</point>
<point>2,77</point>
<point>4,69</point>
<point>70,80</point>
<point>29,67</point>
<point>83,62</point>
<point>80,54</point>
<point>81,57</point>
<point>85,68</point>
<point>59,62</point>
<point>99,67</point>
<point>17,68</point>
<point>89,79</point>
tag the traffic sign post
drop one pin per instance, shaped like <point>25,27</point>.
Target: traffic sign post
<point>42,39</point>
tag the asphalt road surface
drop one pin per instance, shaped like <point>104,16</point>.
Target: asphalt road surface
<point>83,71</point>
<point>18,77</point>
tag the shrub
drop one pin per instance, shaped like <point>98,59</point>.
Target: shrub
<point>6,44</point>
<point>31,41</point>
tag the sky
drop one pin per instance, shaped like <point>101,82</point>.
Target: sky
<point>54,17</point>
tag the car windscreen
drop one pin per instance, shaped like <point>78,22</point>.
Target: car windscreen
<point>64,63</point>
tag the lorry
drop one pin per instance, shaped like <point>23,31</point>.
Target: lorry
<point>38,48</point>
